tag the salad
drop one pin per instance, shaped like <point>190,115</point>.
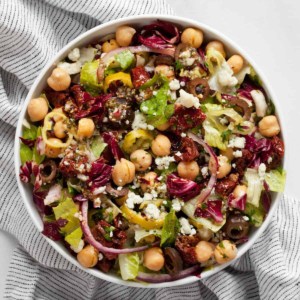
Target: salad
<point>152,153</point>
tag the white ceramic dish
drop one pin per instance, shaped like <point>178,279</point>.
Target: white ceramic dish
<point>39,85</point>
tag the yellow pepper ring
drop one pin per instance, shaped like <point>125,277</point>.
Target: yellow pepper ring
<point>136,218</point>
<point>137,139</point>
<point>124,77</point>
<point>48,124</point>
<point>157,202</point>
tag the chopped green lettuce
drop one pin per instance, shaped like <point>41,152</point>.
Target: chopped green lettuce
<point>129,265</point>
<point>30,133</point>
<point>276,180</point>
<point>254,187</point>
<point>67,209</point>
<point>125,59</point>
<point>170,229</point>
<point>157,109</point>
<point>213,137</point>
<point>255,214</point>
<point>189,209</point>
<point>88,77</point>
<point>25,153</point>
<point>140,234</point>
<point>97,146</point>
<point>38,158</point>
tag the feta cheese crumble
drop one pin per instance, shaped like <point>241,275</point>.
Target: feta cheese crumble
<point>133,199</point>
<point>164,162</point>
<point>237,153</point>
<point>152,212</point>
<point>174,85</point>
<point>139,121</point>
<point>262,171</point>
<point>74,54</point>
<point>177,204</point>
<point>270,159</point>
<point>237,142</point>
<point>187,100</point>
<point>185,227</point>
<point>204,171</point>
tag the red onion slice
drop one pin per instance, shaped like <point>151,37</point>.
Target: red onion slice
<point>213,178</point>
<point>159,278</point>
<point>136,49</point>
<point>90,239</point>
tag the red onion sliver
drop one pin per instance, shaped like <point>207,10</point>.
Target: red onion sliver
<point>213,178</point>
<point>136,49</point>
<point>158,278</point>
<point>90,239</point>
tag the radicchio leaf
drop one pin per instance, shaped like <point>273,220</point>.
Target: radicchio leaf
<point>38,199</point>
<point>182,188</point>
<point>27,142</point>
<point>239,203</point>
<point>28,169</point>
<point>245,90</point>
<point>113,146</point>
<point>99,175</point>
<point>51,229</point>
<point>159,35</point>
<point>210,209</point>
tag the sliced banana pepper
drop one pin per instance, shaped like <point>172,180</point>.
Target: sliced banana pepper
<point>49,120</point>
<point>137,139</point>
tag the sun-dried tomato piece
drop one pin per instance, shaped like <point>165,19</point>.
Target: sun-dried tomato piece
<point>226,185</point>
<point>186,247</point>
<point>139,76</point>
<point>105,264</point>
<point>188,150</point>
<point>186,118</point>
<point>243,162</point>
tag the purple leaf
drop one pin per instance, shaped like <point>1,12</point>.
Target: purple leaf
<point>51,230</point>
<point>27,142</point>
<point>182,188</point>
<point>113,146</point>
<point>239,203</point>
<point>211,209</point>
<point>31,168</point>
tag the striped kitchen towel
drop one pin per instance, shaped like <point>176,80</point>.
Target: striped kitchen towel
<point>31,32</point>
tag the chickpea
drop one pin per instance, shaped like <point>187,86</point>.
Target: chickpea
<point>124,35</point>
<point>188,169</point>
<point>163,127</point>
<point>192,37</point>
<point>228,153</point>
<point>110,45</point>
<point>60,129</point>
<point>59,80</point>
<point>154,259</point>
<point>88,256</point>
<point>239,191</point>
<point>150,177</point>
<point>236,63</point>
<point>141,159</point>
<point>86,128</point>
<point>161,145</point>
<point>165,70</point>
<point>217,45</point>
<point>53,152</point>
<point>204,251</point>
<point>205,233</point>
<point>224,166</point>
<point>269,126</point>
<point>37,109</point>
<point>123,172</point>
<point>225,251</point>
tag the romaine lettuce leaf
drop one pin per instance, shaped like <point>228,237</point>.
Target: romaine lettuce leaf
<point>276,180</point>
<point>97,146</point>
<point>129,265</point>
<point>170,229</point>
<point>140,234</point>
<point>30,133</point>
<point>157,109</point>
<point>74,238</point>
<point>125,59</point>
<point>25,153</point>
<point>88,77</point>
<point>255,214</point>
<point>254,187</point>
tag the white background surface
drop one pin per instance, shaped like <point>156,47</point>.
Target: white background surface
<point>269,31</point>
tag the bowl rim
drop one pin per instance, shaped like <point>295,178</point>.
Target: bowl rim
<point>36,220</point>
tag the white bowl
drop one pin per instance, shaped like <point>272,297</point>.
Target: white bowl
<point>39,85</point>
